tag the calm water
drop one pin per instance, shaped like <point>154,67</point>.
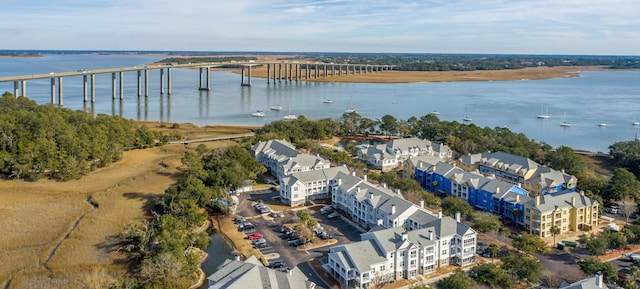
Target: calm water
<point>596,97</point>
<point>219,251</point>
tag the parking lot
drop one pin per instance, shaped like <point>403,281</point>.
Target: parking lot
<point>278,248</point>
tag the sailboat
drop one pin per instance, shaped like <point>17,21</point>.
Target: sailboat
<point>258,113</point>
<point>543,114</point>
<point>602,124</point>
<point>635,122</point>
<point>350,109</point>
<point>564,123</point>
<point>466,117</point>
<point>276,107</point>
<point>328,101</point>
<point>290,115</point>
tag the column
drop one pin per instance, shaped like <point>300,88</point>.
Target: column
<point>113,85</point>
<point>241,75</point>
<point>85,89</point>
<point>121,84</point>
<point>161,81</point>
<point>146,83</point>
<point>268,71</point>
<point>53,91</point>
<point>298,71</point>
<point>274,72</point>
<point>280,72</point>
<point>290,72</point>
<point>61,103</point>
<point>316,74</point>
<point>200,78</point>
<point>285,71</point>
<point>339,70</point>
<point>325,69</point>
<point>308,71</point>
<point>208,78</point>
<point>24,88</point>
<point>249,84</point>
<point>139,83</point>
<point>93,88</point>
<point>168,80</point>
<point>333,70</point>
<point>15,89</point>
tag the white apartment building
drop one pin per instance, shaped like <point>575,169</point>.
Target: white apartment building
<point>297,188</point>
<point>282,159</point>
<point>392,154</point>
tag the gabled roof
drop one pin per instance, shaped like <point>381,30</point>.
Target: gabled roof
<point>562,199</point>
<point>594,282</point>
<point>251,274</point>
<point>315,175</point>
<point>277,147</point>
<point>359,255</point>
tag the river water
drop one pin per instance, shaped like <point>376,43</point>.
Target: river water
<point>596,97</point>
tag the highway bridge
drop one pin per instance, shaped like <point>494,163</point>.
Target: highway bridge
<point>276,71</point>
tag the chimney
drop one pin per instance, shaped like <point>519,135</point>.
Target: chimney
<point>422,204</point>
<point>384,185</point>
<point>537,200</point>
<point>379,222</point>
<point>237,257</point>
<point>458,217</point>
<point>599,283</point>
<point>405,236</point>
<point>364,177</point>
<point>357,189</point>
<point>398,191</point>
<point>440,214</point>
<point>370,195</point>
<point>430,235</point>
<point>339,181</point>
<point>573,201</point>
<point>393,209</point>
<point>289,271</point>
<point>517,198</point>
<point>497,190</point>
<point>353,173</point>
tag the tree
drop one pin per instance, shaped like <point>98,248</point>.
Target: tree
<point>594,244</point>
<point>522,267</point>
<point>494,248</point>
<point>555,231</point>
<point>484,222</point>
<point>452,205</point>
<point>530,243</point>
<point>622,184</point>
<point>627,206</point>
<point>492,275</point>
<point>592,265</point>
<point>303,215</point>
<point>458,280</point>
<point>389,124</point>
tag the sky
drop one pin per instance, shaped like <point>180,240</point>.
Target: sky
<point>602,27</point>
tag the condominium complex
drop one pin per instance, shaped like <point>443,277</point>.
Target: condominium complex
<point>392,154</point>
<point>282,159</point>
<point>566,210</point>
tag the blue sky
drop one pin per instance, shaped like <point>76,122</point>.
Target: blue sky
<point>423,26</point>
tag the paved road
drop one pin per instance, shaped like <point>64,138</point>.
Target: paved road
<point>279,249</point>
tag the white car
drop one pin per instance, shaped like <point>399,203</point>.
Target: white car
<point>333,215</point>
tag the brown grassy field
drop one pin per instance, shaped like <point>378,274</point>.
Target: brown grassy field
<point>534,73</point>
<point>54,238</point>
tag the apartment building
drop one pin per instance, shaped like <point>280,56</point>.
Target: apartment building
<point>386,255</point>
<point>299,187</point>
<point>390,155</point>
<point>282,159</point>
<point>567,210</point>
<point>535,178</point>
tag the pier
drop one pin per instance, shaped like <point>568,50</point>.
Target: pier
<point>276,72</point>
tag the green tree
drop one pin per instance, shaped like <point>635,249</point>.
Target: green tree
<point>530,243</point>
<point>389,124</point>
<point>484,222</point>
<point>458,280</point>
<point>622,184</point>
<point>522,267</point>
<point>592,265</point>
<point>555,231</point>
<point>492,275</point>
<point>494,248</point>
<point>451,205</point>
<point>303,215</point>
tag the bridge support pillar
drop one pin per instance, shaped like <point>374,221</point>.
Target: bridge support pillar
<point>204,71</point>
<point>168,80</point>
<point>161,81</point>
<point>53,91</point>
<point>24,88</point>
<point>333,70</point>
<point>139,83</point>
<point>85,89</point>
<point>15,89</point>
<point>146,83</point>
<point>324,66</point>
<point>315,75</point>
<point>268,72</point>
<point>290,72</point>
<point>60,96</point>
<point>121,84</point>
<point>93,88</point>
<point>113,85</point>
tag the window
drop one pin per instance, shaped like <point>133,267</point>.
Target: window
<point>444,242</point>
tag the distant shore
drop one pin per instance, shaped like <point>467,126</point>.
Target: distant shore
<point>533,73</point>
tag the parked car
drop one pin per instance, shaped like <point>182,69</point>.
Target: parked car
<point>254,236</point>
<point>324,236</point>
<point>261,245</point>
<point>326,210</point>
<point>612,210</point>
<point>264,210</point>
<point>293,236</point>
<point>480,250</point>
<point>276,264</point>
<point>246,226</point>
<point>239,220</point>
<point>258,241</point>
<point>333,215</point>
<point>286,230</point>
<point>297,242</point>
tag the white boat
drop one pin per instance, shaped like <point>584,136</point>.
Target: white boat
<point>258,113</point>
<point>602,124</point>
<point>351,110</point>
<point>564,123</point>
<point>466,118</point>
<point>328,101</point>
<point>434,112</point>
<point>543,114</point>
<point>291,116</point>
<point>276,107</point>
<point>635,122</point>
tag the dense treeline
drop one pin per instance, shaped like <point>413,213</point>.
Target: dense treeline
<point>163,249</point>
<point>63,144</point>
